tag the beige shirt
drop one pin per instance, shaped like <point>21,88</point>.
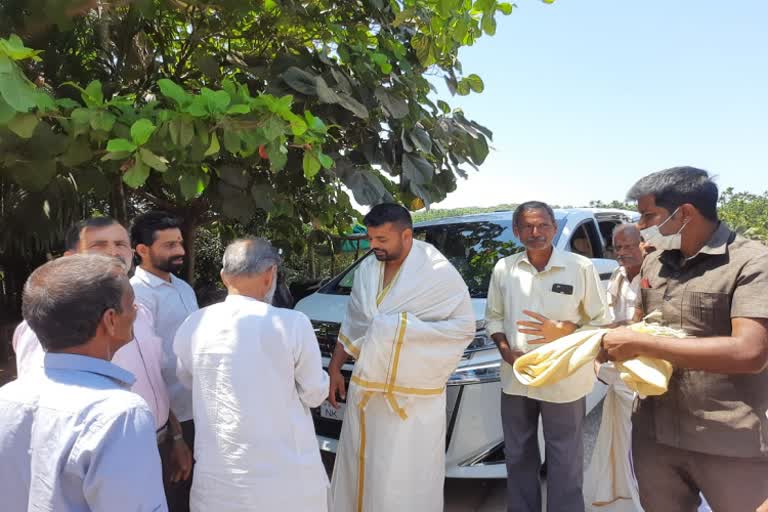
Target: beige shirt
<point>567,289</point>
<point>622,295</point>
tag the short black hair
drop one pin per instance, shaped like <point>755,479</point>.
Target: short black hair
<point>532,205</point>
<point>145,226</point>
<point>64,300</point>
<point>389,212</point>
<point>677,186</point>
<point>72,238</point>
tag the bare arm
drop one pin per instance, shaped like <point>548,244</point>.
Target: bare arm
<point>744,352</point>
<point>337,386</point>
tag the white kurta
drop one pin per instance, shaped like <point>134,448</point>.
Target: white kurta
<point>407,341</point>
<point>255,372</point>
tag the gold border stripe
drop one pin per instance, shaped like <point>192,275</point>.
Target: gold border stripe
<point>398,347</point>
<point>380,386</point>
<point>349,346</point>
<point>361,454</point>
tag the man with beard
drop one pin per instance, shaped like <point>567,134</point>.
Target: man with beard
<point>259,368</point>
<point>142,357</point>
<point>408,322</point>
<point>156,238</point>
<point>542,282</point>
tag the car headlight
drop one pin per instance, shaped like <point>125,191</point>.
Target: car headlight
<point>481,341</point>
<point>476,374</point>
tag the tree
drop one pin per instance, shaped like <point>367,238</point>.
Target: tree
<point>745,212</point>
<point>220,110</point>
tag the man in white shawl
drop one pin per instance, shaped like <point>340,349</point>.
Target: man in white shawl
<point>408,323</point>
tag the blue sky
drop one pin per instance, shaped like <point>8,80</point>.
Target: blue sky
<point>586,96</point>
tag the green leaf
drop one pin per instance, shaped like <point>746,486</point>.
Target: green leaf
<point>217,101</point>
<point>460,29</point>
<point>324,93</point>
<point>137,175</point>
<point>232,141</point>
<point>102,120</point>
<point>193,185</point>
<point>239,109</point>
<point>14,48</point>
<point>463,87</point>
<point>278,156</point>
<point>17,91</point>
<point>489,24</point>
<point>325,160</point>
<point>505,8</point>
<point>45,103</point>
<point>273,128</point>
<point>444,106</point>
<point>79,152</point>
<point>182,131</point>
<point>421,139</point>
<point>301,81</point>
<point>423,46</point>
<point>34,176</point>
<point>354,106</point>
<point>118,145</point>
<point>315,123</point>
<point>6,112</point>
<point>214,147</point>
<point>23,125</point>
<point>382,61</point>
<point>298,126</point>
<point>154,161</point>
<point>262,195</point>
<point>141,131</point>
<point>171,90</point>
<point>94,93</point>
<point>311,165</point>
<point>394,105</point>
<point>475,83</point>
<point>417,169</point>
<point>67,103</point>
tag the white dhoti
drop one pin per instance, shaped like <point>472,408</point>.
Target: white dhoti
<point>407,341</point>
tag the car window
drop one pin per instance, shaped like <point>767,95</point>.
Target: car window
<point>472,247</point>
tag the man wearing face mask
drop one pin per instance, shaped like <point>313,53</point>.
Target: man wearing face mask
<point>255,371</point>
<point>709,432</point>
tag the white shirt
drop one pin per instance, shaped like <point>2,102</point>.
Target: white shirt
<point>142,357</point>
<point>255,372</point>
<point>622,295</point>
<point>74,439</point>
<point>567,289</point>
<point>170,303</point>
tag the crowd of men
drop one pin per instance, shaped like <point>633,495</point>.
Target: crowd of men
<point>130,398</point>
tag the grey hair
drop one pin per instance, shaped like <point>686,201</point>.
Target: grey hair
<point>676,186</point>
<point>65,299</point>
<point>249,256</point>
<point>532,205</point>
<point>627,228</point>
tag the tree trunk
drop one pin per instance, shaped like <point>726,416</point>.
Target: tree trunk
<point>119,206</point>
<point>189,232</point>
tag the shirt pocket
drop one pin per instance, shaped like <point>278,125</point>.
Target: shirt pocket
<point>562,306</point>
<point>653,300</point>
<point>706,313</point>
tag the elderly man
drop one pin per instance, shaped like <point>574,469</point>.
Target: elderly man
<point>73,437</point>
<point>709,432</point>
<point>542,282</point>
<point>408,322</point>
<point>609,484</point>
<point>255,371</point>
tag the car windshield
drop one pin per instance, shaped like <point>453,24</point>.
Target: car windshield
<point>472,247</point>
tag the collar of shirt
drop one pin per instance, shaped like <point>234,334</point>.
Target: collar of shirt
<point>76,362</point>
<point>153,280</point>
<point>555,261</point>
<point>241,298</point>
<point>716,245</point>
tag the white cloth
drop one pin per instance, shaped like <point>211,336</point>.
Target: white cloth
<point>568,288</point>
<point>142,357</point>
<point>609,483</point>
<point>170,303</point>
<point>255,371</point>
<point>622,295</point>
<point>407,338</point>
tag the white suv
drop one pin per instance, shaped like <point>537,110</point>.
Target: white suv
<point>473,243</point>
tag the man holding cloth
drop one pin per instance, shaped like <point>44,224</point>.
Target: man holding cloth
<point>542,282</point>
<point>709,432</point>
<point>408,323</point>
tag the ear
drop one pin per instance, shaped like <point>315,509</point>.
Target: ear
<point>688,211</point>
<point>142,250</point>
<point>69,253</point>
<point>109,321</point>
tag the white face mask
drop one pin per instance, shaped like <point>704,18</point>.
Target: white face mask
<point>654,237</point>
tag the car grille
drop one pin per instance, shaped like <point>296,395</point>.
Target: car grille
<point>327,427</point>
<point>327,333</point>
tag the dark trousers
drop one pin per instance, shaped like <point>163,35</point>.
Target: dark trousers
<point>563,448</point>
<point>671,479</point>
<point>177,493</point>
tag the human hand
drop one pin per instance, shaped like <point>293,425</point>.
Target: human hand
<point>619,345</point>
<point>509,354</point>
<point>547,330</point>
<point>337,386</point>
<point>181,461</point>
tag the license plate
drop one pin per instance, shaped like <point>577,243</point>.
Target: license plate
<point>330,412</point>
